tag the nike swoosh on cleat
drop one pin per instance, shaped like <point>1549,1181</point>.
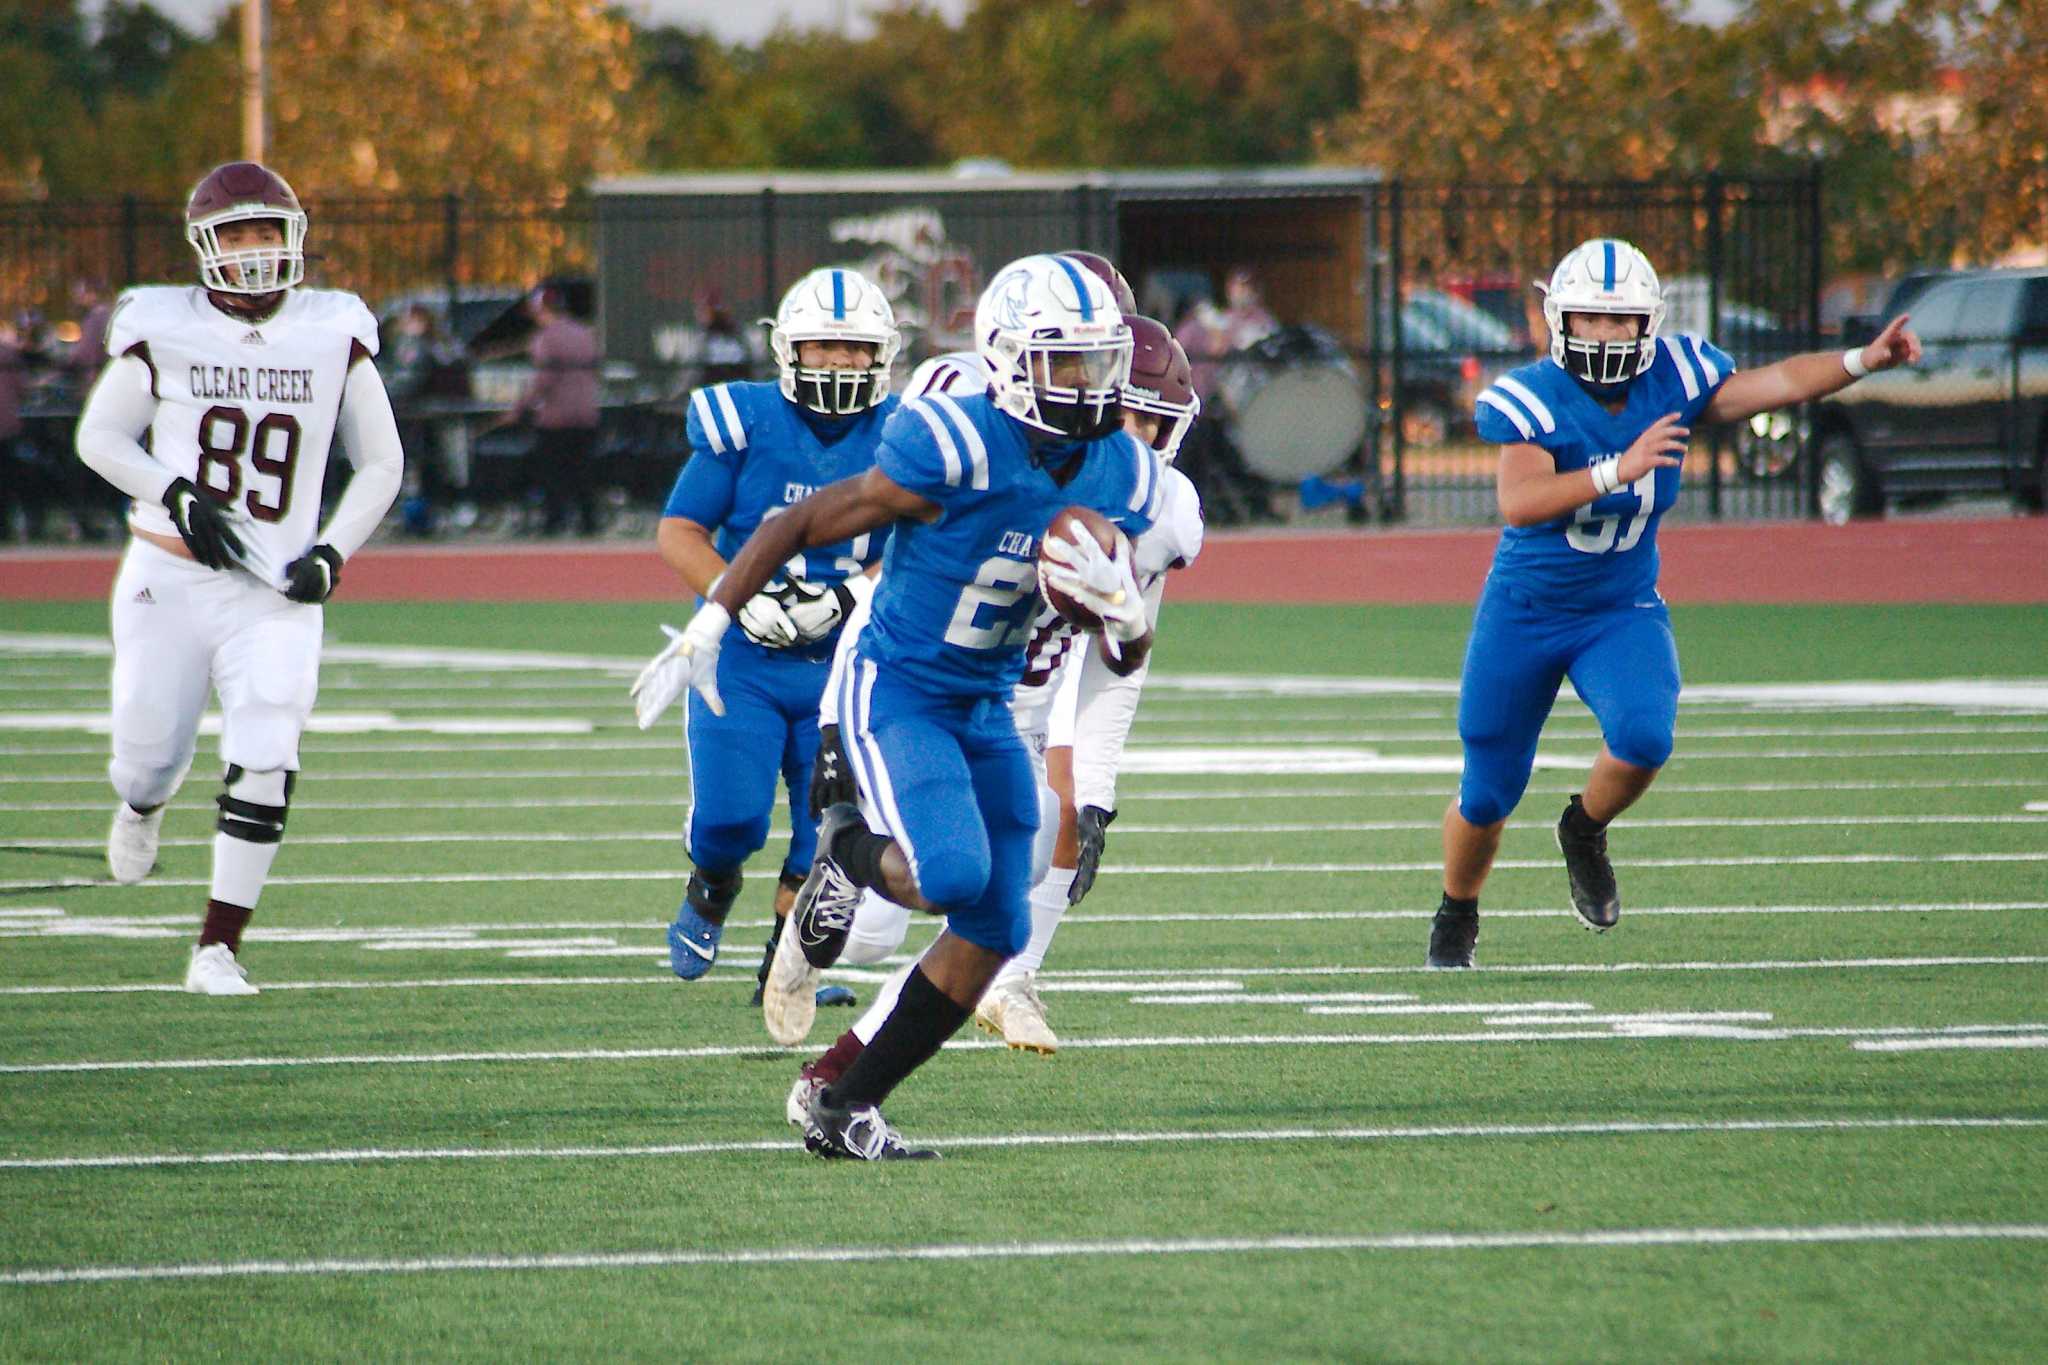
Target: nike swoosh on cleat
<point>708,954</point>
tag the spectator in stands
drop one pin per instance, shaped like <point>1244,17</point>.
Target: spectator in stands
<point>93,500</point>
<point>15,477</point>
<point>422,364</point>
<point>562,404</point>
<point>1209,333</point>
<point>726,358</point>
<point>89,356</point>
<point>1230,492</point>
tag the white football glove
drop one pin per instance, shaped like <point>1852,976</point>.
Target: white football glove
<point>691,660</point>
<point>763,619</point>
<point>1103,583</point>
<point>816,610</point>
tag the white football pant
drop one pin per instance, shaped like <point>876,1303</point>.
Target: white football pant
<point>180,630</point>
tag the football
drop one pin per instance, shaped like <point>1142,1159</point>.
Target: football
<point>1070,525</point>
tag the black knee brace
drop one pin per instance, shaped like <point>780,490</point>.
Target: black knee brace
<point>252,821</point>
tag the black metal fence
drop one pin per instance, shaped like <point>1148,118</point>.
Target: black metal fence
<point>1416,294</point>
<point>1740,262</point>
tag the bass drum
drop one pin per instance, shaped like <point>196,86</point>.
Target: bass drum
<point>1294,404</point>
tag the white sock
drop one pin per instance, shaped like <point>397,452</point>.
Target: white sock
<point>868,1025</point>
<point>878,929</point>
<point>239,869</point>
<point>1048,903</point>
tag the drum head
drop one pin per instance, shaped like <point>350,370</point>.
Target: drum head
<point>1295,421</point>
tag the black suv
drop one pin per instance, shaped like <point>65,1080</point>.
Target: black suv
<point>1971,417</point>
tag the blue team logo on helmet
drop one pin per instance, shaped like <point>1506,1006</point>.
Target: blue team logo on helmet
<point>1056,345</point>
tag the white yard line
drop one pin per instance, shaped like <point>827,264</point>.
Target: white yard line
<point>2037,1040</point>
<point>1350,1002</point>
<point>662,744</point>
<point>2029,694</point>
<point>1675,1032</point>
<point>1122,870</point>
<point>1150,760</point>
<point>776,832</point>
<point>1809,1235</point>
<point>56,922</point>
<point>1164,976</point>
<point>1610,1128</point>
<point>1134,793</point>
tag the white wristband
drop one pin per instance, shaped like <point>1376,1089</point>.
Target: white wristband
<point>1606,475</point>
<point>1852,361</point>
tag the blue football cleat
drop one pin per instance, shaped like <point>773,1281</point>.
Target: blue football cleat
<point>692,943</point>
<point>835,995</point>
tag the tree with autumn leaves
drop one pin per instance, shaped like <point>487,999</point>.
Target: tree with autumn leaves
<point>530,99</point>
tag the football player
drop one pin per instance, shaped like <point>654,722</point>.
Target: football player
<point>948,803</point>
<point>240,386</point>
<point>1074,713</point>
<point>757,449</point>
<point>1591,442</point>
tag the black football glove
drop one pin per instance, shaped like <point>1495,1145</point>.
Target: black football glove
<point>314,575</point>
<point>202,525</point>
<point>1092,824</point>
<point>831,779</point>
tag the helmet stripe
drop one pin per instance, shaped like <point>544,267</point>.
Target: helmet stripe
<point>838,297</point>
<point>1080,287</point>
<point>1608,246</point>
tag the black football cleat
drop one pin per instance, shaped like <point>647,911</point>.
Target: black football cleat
<point>825,904</point>
<point>853,1133</point>
<point>1594,896</point>
<point>1452,936</point>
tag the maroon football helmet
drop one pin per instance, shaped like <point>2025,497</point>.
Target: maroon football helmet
<point>238,192</point>
<point>1162,383</point>
<point>1103,269</point>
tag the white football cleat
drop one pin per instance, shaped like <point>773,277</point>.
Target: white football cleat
<point>1011,1008</point>
<point>214,971</point>
<point>797,1108</point>
<point>789,997</point>
<point>131,843</point>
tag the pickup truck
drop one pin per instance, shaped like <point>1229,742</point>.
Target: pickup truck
<point>1970,418</point>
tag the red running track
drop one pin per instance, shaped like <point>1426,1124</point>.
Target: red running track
<point>2003,560</point>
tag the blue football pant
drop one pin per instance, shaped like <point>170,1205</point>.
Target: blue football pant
<point>769,730</point>
<point>1622,662</point>
<point>950,781</point>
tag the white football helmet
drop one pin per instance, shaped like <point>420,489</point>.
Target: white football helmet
<point>834,304</point>
<point>1057,348</point>
<point>1604,275</point>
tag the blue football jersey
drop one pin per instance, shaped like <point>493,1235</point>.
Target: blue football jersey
<point>754,454</point>
<point>957,595</point>
<point>1605,553</point>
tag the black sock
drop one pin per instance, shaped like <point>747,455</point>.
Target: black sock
<point>924,1018</point>
<point>1580,822</point>
<point>1463,905</point>
<point>858,851</point>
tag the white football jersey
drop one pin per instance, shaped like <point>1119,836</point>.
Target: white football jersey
<point>245,409</point>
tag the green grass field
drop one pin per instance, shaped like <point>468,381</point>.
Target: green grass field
<point>1793,1107</point>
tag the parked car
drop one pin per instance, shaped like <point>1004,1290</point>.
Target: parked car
<point>1508,299</point>
<point>1900,297</point>
<point>1451,349</point>
<point>1971,417</point>
<point>1767,446</point>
